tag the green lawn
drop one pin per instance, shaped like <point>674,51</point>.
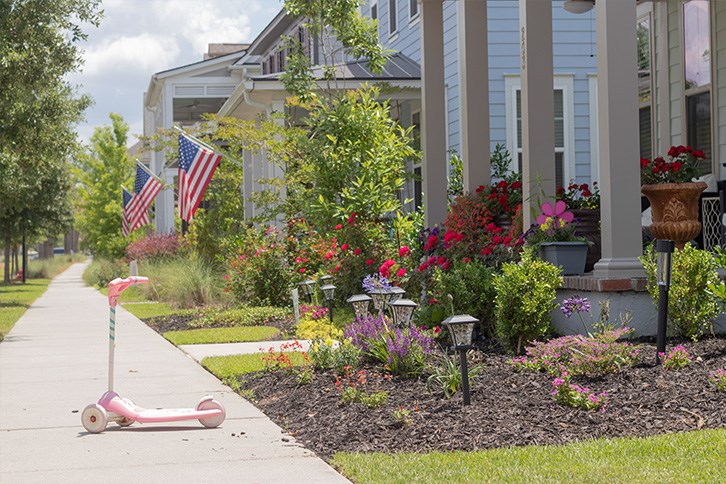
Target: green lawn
<point>221,335</point>
<point>15,299</point>
<point>149,310</point>
<point>698,456</point>
<point>229,366</point>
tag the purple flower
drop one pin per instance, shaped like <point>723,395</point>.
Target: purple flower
<point>375,283</point>
<point>575,304</point>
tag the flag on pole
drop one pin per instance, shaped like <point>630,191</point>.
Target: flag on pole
<point>146,187</point>
<point>197,165</point>
<point>125,227</point>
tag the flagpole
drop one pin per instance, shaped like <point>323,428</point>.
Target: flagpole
<point>205,145</point>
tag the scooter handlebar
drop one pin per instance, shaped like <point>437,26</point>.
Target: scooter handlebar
<point>118,285</point>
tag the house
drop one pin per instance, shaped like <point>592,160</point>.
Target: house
<point>179,97</point>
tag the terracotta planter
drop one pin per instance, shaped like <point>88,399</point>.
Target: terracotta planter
<point>587,225</point>
<point>675,210</point>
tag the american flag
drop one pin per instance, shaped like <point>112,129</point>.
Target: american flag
<point>146,187</point>
<point>197,165</point>
<point>144,220</point>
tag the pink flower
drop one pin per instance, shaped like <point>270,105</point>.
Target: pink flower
<point>329,255</point>
<point>401,272</point>
<point>559,211</point>
<point>357,252</point>
<point>369,262</point>
<point>301,270</point>
<point>337,268</point>
<point>404,251</point>
<point>351,219</point>
<point>339,226</point>
<point>226,276</point>
<point>344,247</point>
<point>423,267</point>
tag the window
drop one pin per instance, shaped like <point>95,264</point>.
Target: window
<point>564,129</point>
<point>374,12</point>
<point>645,88</point>
<point>412,9</point>
<point>281,60</point>
<point>697,77</point>
<point>392,16</point>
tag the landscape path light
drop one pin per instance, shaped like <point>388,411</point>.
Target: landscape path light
<point>307,288</point>
<point>402,310</point>
<point>360,303</point>
<point>381,296</point>
<point>461,329</point>
<point>329,293</point>
<point>664,248</point>
<point>326,279</point>
<point>396,293</point>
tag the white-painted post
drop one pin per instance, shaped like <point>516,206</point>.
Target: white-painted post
<point>296,305</point>
<point>474,92</point>
<point>433,112</point>
<point>538,106</point>
<point>619,150</point>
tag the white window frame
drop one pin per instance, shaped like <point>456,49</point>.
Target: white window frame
<point>392,26</point>
<point>374,4</point>
<point>563,82</point>
<point>413,17</point>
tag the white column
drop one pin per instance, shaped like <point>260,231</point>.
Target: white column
<point>248,177</point>
<point>433,115</point>
<point>538,106</point>
<point>474,92</point>
<point>618,126</point>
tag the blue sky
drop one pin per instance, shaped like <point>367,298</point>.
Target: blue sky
<point>140,37</point>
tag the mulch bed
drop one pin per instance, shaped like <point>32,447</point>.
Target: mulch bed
<point>177,322</point>
<point>508,408</point>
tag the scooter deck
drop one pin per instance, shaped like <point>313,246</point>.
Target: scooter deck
<point>112,402</point>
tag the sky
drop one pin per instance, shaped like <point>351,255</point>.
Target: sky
<point>138,38</point>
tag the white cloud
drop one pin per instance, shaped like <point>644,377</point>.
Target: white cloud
<point>143,52</point>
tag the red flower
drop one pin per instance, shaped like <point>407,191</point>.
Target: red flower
<point>673,152</point>
<point>441,259</point>
<point>404,251</point>
<point>560,191</point>
<point>351,219</point>
<point>516,185</point>
<point>329,254</point>
<point>432,260</point>
<point>487,251</point>
<point>357,252</point>
<point>490,227</point>
<point>507,240</point>
<point>369,262</point>
<point>423,267</point>
<point>339,226</point>
<point>445,265</point>
<point>644,161</point>
<point>301,270</point>
<point>480,188</point>
<point>337,268</point>
<point>344,247</point>
<point>401,272</point>
<point>699,154</point>
<point>467,260</point>
<point>586,193</point>
<point>497,239</point>
<point>502,184</point>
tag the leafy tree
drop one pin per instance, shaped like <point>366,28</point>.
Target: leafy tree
<point>38,110</point>
<point>100,174</point>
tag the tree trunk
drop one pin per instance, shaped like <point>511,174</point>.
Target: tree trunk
<point>7,262</point>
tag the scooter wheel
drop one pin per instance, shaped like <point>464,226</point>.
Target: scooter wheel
<point>211,422</point>
<point>94,418</point>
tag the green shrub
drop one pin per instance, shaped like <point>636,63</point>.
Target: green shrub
<point>447,375</point>
<point>471,286</point>
<point>244,316</point>
<point>49,268</point>
<point>102,271</point>
<point>526,294</point>
<point>691,307</point>
<point>324,355</point>
<point>184,282</point>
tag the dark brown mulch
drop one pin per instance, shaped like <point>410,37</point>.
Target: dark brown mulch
<point>508,408</point>
<point>180,322</point>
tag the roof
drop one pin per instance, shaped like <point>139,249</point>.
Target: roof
<point>398,67</point>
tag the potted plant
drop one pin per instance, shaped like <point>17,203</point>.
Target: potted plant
<point>673,195</point>
<point>583,201</point>
<point>553,238</point>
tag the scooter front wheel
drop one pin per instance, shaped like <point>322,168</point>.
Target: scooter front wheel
<point>215,421</point>
<point>94,418</point>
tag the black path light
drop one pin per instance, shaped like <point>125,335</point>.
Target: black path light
<point>381,296</point>
<point>329,293</point>
<point>402,310</point>
<point>326,279</point>
<point>665,254</point>
<point>307,288</point>
<point>461,329</point>
<point>396,294</point>
<point>360,303</point>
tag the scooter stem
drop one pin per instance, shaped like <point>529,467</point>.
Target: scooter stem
<point>111,345</point>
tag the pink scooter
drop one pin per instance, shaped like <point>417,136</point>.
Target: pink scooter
<point>111,407</point>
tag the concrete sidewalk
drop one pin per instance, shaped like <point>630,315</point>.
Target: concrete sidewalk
<point>54,363</point>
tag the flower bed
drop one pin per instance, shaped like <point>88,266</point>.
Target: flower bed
<point>508,407</point>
